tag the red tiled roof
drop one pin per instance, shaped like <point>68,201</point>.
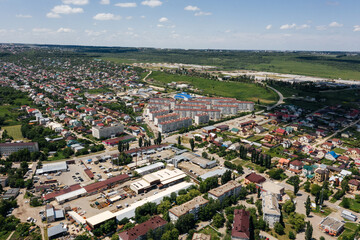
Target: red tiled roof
<point>61,192</point>
<point>89,173</point>
<point>296,163</point>
<point>241,224</point>
<point>354,182</point>
<point>142,229</point>
<point>255,178</point>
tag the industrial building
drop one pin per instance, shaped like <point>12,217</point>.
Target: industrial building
<point>159,179</point>
<point>100,218</point>
<point>57,231</point>
<point>139,231</point>
<point>71,195</point>
<point>9,148</point>
<point>115,141</point>
<point>331,226</point>
<point>52,168</point>
<point>11,193</point>
<point>231,188</point>
<point>100,132</point>
<point>193,158</point>
<point>215,173</point>
<point>149,169</point>
<point>349,215</point>
<point>191,207</point>
<point>53,214</point>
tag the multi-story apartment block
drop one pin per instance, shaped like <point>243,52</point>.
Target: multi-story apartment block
<point>156,113</point>
<point>241,225</point>
<point>165,118</point>
<point>193,206</point>
<point>270,208</point>
<point>106,132</point>
<point>232,188</point>
<point>9,148</point>
<point>201,118</point>
<point>174,125</point>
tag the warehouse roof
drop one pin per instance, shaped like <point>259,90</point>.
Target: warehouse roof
<point>56,230</point>
<point>70,195</point>
<point>150,167</point>
<point>100,218</point>
<point>102,184</point>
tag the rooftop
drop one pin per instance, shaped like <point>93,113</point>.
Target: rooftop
<point>186,207</point>
<point>219,191</point>
<point>270,204</point>
<point>255,178</point>
<point>241,224</point>
<point>142,229</point>
<point>332,223</point>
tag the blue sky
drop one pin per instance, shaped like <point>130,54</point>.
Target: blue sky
<point>219,24</point>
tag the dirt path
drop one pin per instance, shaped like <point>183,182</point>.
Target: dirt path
<point>10,235</point>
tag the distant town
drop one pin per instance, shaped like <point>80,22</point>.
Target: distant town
<point>94,149</point>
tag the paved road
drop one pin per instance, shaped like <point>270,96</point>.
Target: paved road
<point>281,97</point>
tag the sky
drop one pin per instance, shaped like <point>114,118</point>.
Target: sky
<point>321,25</point>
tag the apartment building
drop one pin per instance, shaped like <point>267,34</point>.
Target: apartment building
<point>154,114</point>
<point>227,109</point>
<point>241,225</point>
<point>231,188</point>
<point>174,125</point>
<point>107,132</point>
<point>191,207</point>
<point>201,118</point>
<point>166,118</point>
<point>271,211</point>
<point>9,148</point>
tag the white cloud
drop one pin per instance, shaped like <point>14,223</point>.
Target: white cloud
<point>191,8</point>
<point>287,26</point>
<point>160,25</point>
<point>41,30</point>
<point>163,19</point>
<point>356,28</point>
<point>304,26</point>
<point>152,3</point>
<point>63,9</point>
<point>335,24</point>
<point>76,2</point>
<point>23,16</point>
<point>129,18</point>
<point>126,5</point>
<point>64,30</point>
<point>202,14</point>
<point>94,33</point>
<point>106,17</point>
<point>321,28</point>
<point>105,2</point>
<point>52,15</point>
<point>268,27</point>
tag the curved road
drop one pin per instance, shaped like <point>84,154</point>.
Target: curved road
<point>281,97</point>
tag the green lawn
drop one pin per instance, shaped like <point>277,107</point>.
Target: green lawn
<point>339,150</point>
<point>239,90</point>
<point>350,228</point>
<point>4,235</point>
<point>354,206</point>
<point>326,212</point>
<point>209,231</point>
<point>15,132</point>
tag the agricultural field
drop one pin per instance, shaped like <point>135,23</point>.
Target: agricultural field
<point>239,90</point>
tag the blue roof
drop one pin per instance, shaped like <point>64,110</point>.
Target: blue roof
<point>183,95</point>
<point>332,153</point>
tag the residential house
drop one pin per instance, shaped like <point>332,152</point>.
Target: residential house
<point>327,146</point>
<point>296,166</point>
<point>353,153</point>
<point>331,156</point>
<point>308,171</point>
<point>354,185</point>
<point>283,163</point>
<point>254,178</point>
<point>321,174</point>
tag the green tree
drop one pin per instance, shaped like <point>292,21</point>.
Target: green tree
<point>185,223</point>
<point>279,229</point>
<point>308,231</point>
<point>179,140</point>
<point>308,206</point>
<point>291,235</point>
<point>251,187</point>
<point>163,207</point>
<point>307,185</point>
<point>297,220</point>
<point>289,206</point>
<point>192,144</point>
<point>218,220</point>
<point>140,142</point>
<point>226,177</point>
<point>296,185</point>
<point>345,203</point>
<point>115,236</point>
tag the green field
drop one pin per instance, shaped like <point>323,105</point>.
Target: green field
<point>350,229</point>
<point>239,90</point>
<point>209,231</point>
<point>14,131</point>
<point>334,65</point>
<point>354,205</point>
